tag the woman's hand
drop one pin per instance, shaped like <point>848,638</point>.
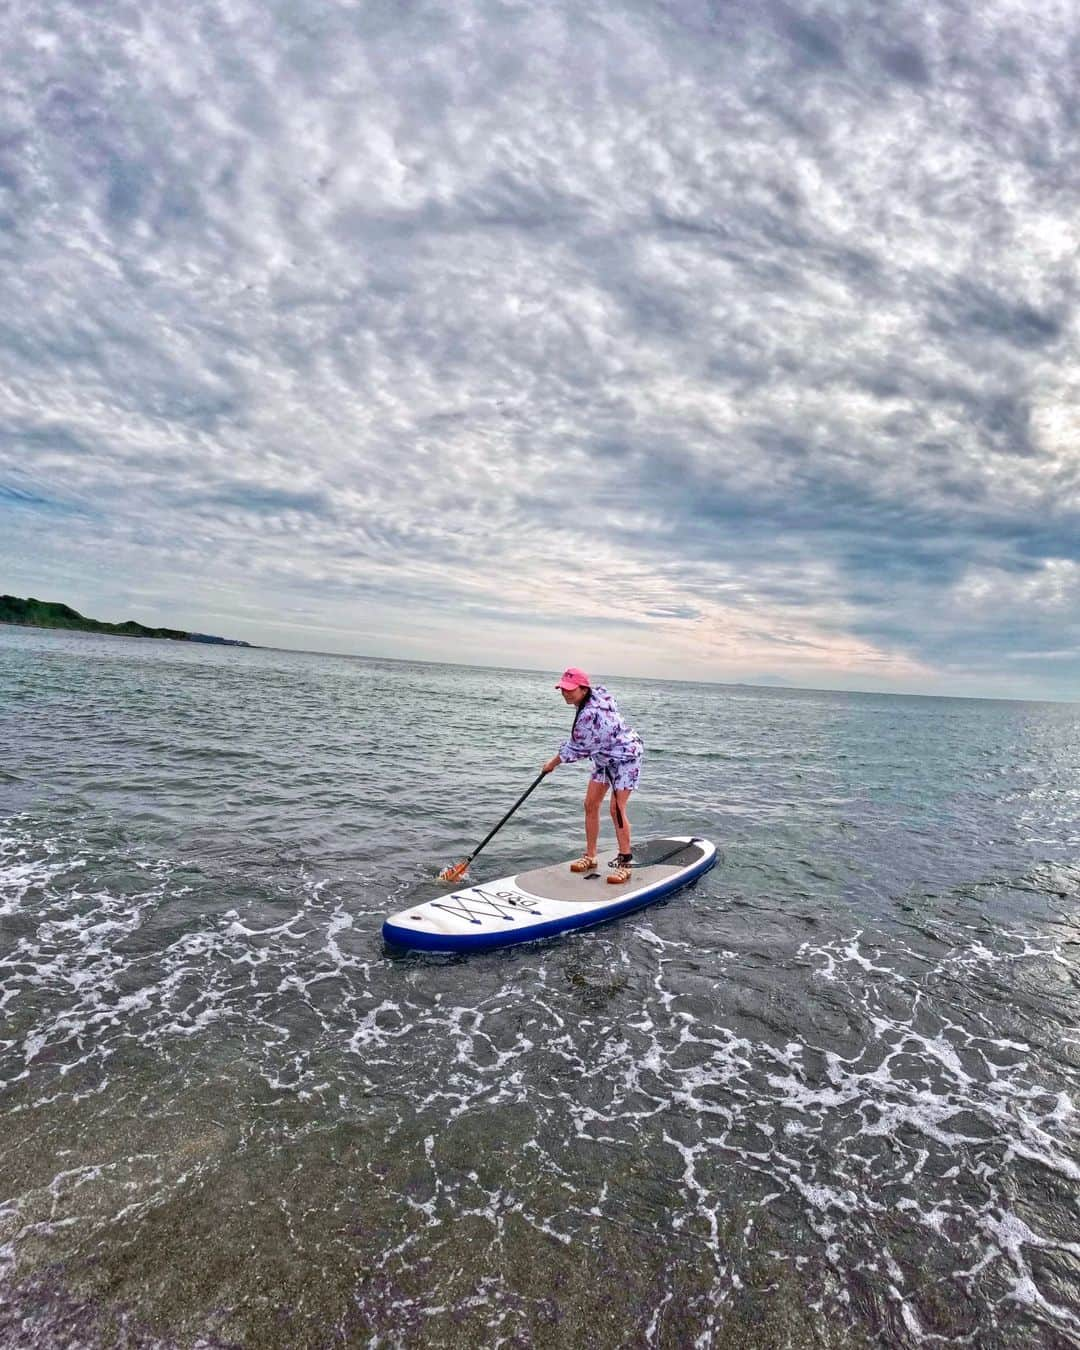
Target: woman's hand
<point>551,765</point>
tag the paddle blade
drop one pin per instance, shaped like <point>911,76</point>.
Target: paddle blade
<point>454,873</point>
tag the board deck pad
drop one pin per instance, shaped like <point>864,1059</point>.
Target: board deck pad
<point>547,900</point>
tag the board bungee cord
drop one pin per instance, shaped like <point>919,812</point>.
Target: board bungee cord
<point>546,901</point>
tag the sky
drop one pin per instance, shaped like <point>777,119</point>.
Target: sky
<point>681,339</point>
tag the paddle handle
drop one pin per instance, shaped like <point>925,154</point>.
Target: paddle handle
<point>488,838</point>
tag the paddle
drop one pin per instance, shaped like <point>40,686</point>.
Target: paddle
<point>458,870</point>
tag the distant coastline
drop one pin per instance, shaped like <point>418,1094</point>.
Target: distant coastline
<point>31,613</point>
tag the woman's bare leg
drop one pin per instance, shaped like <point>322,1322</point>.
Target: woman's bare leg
<point>619,803</point>
<point>594,795</point>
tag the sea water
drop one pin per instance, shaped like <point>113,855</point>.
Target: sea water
<point>826,1096</point>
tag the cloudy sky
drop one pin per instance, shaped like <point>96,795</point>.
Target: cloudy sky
<point>732,341</point>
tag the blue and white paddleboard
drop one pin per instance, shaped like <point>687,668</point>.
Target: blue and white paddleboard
<point>547,901</point>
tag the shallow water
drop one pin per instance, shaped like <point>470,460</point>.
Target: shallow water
<point>824,1097</point>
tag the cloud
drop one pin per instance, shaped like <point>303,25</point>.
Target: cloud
<point>744,340</point>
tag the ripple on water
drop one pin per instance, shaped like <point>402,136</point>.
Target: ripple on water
<point>825,1095</point>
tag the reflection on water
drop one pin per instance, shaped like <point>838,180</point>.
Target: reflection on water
<point>823,1097</point>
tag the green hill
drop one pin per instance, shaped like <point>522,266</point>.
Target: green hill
<point>49,614</point>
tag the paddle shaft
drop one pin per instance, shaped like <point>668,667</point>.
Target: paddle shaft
<point>488,838</point>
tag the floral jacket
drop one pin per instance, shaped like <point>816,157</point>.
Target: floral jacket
<point>600,734</point>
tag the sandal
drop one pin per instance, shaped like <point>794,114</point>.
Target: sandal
<point>584,864</point>
<point>620,869</point>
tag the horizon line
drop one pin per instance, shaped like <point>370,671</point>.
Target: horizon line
<point>537,670</point>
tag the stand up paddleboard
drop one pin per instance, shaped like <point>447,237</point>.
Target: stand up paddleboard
<point>547,901</point>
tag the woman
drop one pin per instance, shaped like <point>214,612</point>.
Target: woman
<point>600,734</point>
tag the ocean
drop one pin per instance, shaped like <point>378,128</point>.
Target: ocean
<point>824,1097</point>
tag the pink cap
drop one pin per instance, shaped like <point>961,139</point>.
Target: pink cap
<point>573,677</point>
